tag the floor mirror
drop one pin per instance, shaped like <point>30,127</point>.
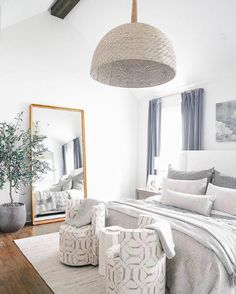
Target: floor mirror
<point>64,132</point>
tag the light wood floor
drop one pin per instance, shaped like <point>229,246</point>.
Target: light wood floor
<point>17,276</point>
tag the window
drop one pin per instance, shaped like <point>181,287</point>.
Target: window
<point>69,157</point>
<point>171,130</point>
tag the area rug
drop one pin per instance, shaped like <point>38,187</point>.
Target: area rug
<point>42,253</point>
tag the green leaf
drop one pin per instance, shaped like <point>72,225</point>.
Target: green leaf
<point>19,155</point>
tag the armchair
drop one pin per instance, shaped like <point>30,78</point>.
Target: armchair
<point>137,265</point>
<point>79,246</point>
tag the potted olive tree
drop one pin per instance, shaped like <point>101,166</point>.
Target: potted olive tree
<point>20,165</point>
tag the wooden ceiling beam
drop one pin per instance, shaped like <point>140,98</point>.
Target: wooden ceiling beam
<point>62,7</point>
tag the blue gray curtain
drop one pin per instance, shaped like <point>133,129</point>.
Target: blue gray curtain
<point>154,134</point>
<point>77,153</point>
<point>64,169</point>
<point>192,117</point>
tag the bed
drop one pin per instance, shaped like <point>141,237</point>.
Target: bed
<point>49,203</point>
<point>52,201</point>
<point>199,267</point>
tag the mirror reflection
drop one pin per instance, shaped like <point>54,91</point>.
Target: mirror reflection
<point>64,131</point>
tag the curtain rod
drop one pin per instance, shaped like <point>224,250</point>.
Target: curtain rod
<point>172,94</point>
<point>71,141</point>
<point>180,92</point>
<point>189,88</point>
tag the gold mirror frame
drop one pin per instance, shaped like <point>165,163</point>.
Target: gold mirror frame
<point>31,107</point>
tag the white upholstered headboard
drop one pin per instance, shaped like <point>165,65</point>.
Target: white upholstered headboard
<point>223,161</point>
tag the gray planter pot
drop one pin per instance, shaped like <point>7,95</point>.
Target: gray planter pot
<point>12,219</point>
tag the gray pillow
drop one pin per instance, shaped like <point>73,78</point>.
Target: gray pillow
<point>224,181</point>
<point>77,181</point>
<point>66,184</point>
<point>191,175</point>
<point>83,214</point>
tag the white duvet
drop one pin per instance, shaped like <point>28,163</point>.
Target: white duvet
<point>48,201</point>
<point>196,268</point>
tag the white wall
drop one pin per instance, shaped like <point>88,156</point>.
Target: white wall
<point>47,61</point>
<point>216,91</point>
<point>142,142</point>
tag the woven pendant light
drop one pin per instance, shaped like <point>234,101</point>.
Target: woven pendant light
<point>134,55</point>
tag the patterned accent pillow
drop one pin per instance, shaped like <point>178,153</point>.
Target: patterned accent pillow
<point>190,175</point>
<point>223,181</point>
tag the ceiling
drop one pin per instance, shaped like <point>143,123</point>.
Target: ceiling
<point>14,11</point>
<point>203,32</point>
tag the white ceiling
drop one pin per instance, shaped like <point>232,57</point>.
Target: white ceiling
<point>14,11</point>
<point>203,32</point>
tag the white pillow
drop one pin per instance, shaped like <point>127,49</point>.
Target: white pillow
<point>64,177</point>
<point>197,187</point>
<point>155,198</point>
<point>201,204</point>
<point>225,198</point>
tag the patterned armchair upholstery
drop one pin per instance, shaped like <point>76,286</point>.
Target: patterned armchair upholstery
<point>138,264</point>
<point>79,246</point>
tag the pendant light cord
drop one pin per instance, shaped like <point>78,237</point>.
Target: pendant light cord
<point>134,16</point>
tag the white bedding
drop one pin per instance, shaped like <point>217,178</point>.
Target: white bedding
<point>196,268</point>
<point>54,202</point>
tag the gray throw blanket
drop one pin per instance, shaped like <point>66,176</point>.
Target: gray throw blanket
<point>163,230</point>
<point>216,235</point>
